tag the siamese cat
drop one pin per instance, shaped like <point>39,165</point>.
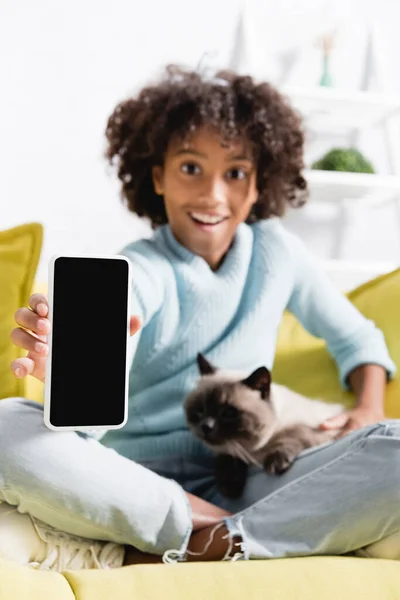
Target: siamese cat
<point>248,420</point>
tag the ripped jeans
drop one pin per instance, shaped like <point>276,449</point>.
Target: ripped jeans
<point>335,498</point>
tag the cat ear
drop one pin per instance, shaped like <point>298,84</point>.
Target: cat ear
<point>205,367</point>
<point>259,380</point>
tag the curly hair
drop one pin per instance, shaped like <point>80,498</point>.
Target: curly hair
<point>139,130</point>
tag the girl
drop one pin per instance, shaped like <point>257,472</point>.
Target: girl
<point>213,164</point>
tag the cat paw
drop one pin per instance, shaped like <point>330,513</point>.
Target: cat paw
<point>277,462</point>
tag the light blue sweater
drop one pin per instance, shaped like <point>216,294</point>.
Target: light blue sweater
<point>231,315</point>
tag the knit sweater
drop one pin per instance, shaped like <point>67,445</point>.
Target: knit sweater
<point>232,316</point>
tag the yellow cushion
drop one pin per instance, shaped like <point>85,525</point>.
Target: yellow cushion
<point>20,249</point>
<point>317,578</point>
<point>23,583</point>
<point>303,363</point>
<point>34,389</point>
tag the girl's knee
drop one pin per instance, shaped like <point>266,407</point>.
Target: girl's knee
<point>389,428</point>
<point>13,407</point>
<point>20,421</point>
<point>16,416</point>
<point>383,442</point>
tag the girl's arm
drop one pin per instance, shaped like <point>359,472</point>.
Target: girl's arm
<point>368,383</point>
<point>355,343</point>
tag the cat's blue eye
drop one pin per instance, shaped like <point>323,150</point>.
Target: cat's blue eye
<point>229,412</point>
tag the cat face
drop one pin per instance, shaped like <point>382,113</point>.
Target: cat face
<point>226,408</point>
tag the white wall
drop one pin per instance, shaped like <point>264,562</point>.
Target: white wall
<point>293,26</point>
<point>64,66</point>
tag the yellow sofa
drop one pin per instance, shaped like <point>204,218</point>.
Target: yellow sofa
<point>310,578</point>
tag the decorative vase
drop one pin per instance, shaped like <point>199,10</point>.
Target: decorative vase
<point>326,42</point>
<point>326,78</point>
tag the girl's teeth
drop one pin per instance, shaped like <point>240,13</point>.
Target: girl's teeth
<point>207,219</point>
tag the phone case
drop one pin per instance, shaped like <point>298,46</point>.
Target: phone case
<point>47,385</point>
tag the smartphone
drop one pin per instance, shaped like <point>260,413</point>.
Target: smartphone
<point>86,386</point>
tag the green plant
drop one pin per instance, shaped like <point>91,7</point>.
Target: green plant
<point>344,159</point>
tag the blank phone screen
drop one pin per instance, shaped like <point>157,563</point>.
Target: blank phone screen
<point>89,342</point>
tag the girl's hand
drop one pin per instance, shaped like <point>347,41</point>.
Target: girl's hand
<point>352,419</point>
<point>31,335</point>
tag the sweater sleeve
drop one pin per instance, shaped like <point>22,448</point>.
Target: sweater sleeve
<point>147,283</point>
<point>147,291</point>
<point>147,294</point>
<point>326,313</point>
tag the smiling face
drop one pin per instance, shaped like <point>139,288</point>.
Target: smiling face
<point>209,188</point>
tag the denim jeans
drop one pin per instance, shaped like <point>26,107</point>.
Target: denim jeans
<point>334,499</point>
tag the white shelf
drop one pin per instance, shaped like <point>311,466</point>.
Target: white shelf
<point>334,186</point>
<point>347,275</point>
<point>327,109</point>
<point>330,110</point>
